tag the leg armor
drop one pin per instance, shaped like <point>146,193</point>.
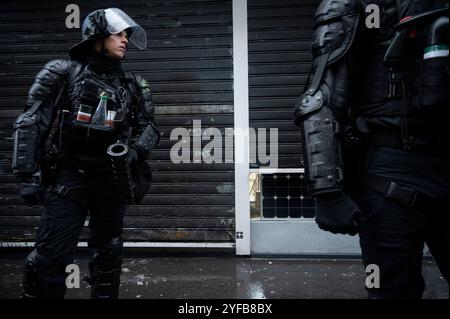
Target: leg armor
<point>326,100</point>
<point>105,267</point>
<point>43,280</point>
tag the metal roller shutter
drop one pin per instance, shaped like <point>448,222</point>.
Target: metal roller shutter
<point>279,62</point>
<point>188,64</point>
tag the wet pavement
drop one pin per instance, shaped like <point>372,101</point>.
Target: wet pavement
<point>197,276</point>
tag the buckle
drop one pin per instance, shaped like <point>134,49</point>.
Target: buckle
<point>62,190</point>
<point>395,84</point>
<point>403,195</point>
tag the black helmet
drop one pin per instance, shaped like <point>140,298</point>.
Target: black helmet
<point>103,23</point>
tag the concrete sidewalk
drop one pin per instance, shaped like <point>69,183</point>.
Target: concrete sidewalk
<point>209,276</point>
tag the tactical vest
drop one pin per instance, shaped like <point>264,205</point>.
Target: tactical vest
<point>77,136</point>
<point>402,105</point>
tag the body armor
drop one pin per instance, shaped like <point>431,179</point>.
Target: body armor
<point>403,100</point>
<point>60,90</point>
<point>31,129</point>
<point>97,104</point>
<point>324,104</point>
<point>401,105</point>
<point>128,94</point>
<point>80,136</point>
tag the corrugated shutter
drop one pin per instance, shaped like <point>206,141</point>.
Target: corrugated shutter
<point>188,64</point>
<point>279,57</point>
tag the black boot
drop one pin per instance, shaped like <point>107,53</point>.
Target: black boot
<point>42,280</point>
<point>105,268</point>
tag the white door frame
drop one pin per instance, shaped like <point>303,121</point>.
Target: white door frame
<point>312,240</point>
<point>241,125</point>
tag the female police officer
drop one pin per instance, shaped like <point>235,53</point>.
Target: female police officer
<point>97,104</point>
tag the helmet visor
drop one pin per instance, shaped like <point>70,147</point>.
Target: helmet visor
<point>118,21</point>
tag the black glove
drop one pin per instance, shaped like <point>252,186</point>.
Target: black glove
<point>133,156</point>
<point>32,191</point>
<point>337,213</point>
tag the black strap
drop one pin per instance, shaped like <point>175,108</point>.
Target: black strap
<point>34,107</point>
<point>74,71</point>
<point>69,80</point>
<point>72,192</point>
<point>402,194</point>
<point>307,80</point>
<point>131,84</point>
<point>399,14</point>
<point>406,9</point>
<point>321,65</point>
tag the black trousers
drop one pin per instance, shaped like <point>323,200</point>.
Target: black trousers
<point>392,237</point>
<point>62,222</point>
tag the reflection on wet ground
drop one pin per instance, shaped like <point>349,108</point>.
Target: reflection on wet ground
<point>216,277</point>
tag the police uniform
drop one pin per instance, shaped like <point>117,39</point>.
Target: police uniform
<point>374,122</point>
<point>82,177</point>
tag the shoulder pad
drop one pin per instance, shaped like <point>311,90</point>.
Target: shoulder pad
<point>331,9</point>
<point>49,80</point>
<point>59,66</point>
<point>335,26</point>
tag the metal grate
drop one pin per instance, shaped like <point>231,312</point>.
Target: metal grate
<point>285,196</point>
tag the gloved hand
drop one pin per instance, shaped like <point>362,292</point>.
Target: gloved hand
<point>32,191</point>
<point>337,213</point>
<point>133,156</point>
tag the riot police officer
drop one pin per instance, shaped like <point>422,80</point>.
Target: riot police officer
<point>374,122</point>
<point>96,105</point>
